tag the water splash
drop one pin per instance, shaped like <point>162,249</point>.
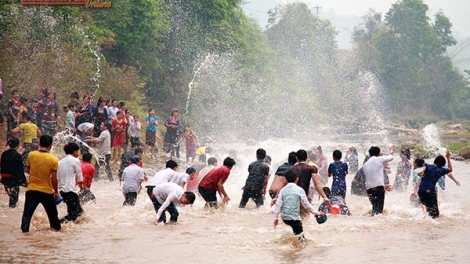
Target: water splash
<point>374,115</point>
<point>93,48</point>
<point>206,63</point>
<point>431,137</point>
<point>64,137</point>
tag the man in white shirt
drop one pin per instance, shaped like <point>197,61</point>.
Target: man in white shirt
<point>68,173</point>
<point>132,177</point>
<point>104,149</point>
<point>374,172</point>
<point>164,196</point>
<point>184,177</point>
<point>167,175</point>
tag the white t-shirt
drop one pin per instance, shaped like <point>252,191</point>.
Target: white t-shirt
<point>104,147</point>
<point>131,177</point>
<point>112,113</point>
<point>182,177</point>
<point>69,169</point>
<point>166,175</point>
<point>374,170</point>
<point>167,193</point>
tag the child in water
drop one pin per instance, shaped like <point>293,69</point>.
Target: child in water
<point>334,199</point>
<point>288,202</point>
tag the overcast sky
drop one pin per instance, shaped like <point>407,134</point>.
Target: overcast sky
<point>457,10</point>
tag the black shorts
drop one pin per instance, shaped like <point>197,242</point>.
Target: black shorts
<point>209,195</point>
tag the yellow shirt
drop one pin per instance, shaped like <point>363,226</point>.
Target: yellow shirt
<point>41,164</point>
<point>30,131</point>
<point>200,150</point>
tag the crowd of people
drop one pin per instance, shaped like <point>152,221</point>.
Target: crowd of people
<point>109,127</point>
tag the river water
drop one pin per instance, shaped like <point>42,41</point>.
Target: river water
<point>111,233</point>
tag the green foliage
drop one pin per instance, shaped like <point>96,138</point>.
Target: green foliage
<point>407,52</point>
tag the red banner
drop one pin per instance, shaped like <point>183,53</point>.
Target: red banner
<point>86,3</point>
<point>54,2</point>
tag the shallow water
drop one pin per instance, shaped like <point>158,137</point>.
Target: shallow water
<point>111,233</point>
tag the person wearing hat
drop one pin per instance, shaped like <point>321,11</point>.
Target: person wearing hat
<point>289,199</point>
<point>12,171</point>
<point>132,178</point>
<point>172,135</point>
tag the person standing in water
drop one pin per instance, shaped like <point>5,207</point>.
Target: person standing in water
<point>279,180</point>
<point>69,175</point>
<point>338,171</point>
<point>214,181</point>
<point>43,187</point>
<point>402,178</point>
<point>255,185</point>
<point>104,150</point>
<point>288,202</point>
<point>164,197</point>
<point>12,171</point>
<point>374,172</point>
<point>306,174</point>
<point>430,174</point>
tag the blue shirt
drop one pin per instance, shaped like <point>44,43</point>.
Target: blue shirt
<point>430,178</point>
<point>338,170</point>
<point>152,127</point>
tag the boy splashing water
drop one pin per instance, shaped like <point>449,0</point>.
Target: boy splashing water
<point>288,202</point>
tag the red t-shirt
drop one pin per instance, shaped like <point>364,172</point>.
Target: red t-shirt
<point>214,176</point>
<point>88,172</point>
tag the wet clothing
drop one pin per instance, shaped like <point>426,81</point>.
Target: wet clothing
<point>358,184</point>
<point>305,172</point>
<point>377,199</point>
<point>375,181</point>
<point>281,170</point>
<point>255,183</point>
<point>88,172</point>
<point>339,200</point>
<point>353,162</point>
<point>402,178</point>
<point>132,177</point>
<point>68,173</point>
<point>39,191</point>
<point>427,188</point>
<point>212,178</point>
<point>430,178</point>
<point>166,175</point>
<point>166,195</point>
<point>125,161</point>
<point>104,150</point>
<point>74,209</point>
<point>288,202</point>
<point>12,172</point>
<point>374,170</point>
<point>338,170</point>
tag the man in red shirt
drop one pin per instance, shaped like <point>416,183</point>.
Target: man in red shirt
<point>214,182</point>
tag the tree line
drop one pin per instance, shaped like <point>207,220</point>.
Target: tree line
<point>232,77</point>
